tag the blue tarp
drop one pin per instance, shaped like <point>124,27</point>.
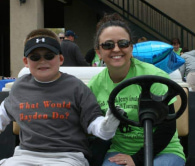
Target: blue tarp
<point>3,82</point>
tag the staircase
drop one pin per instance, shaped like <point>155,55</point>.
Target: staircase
<point>152,20</point>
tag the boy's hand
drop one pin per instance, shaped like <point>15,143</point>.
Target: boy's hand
<point>110,122</point>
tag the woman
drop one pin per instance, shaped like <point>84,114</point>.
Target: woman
<point>113,43</point>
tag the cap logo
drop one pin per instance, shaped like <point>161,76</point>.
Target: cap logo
<point>40,40</point>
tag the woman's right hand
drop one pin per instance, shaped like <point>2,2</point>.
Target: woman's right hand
<point>122,159</point>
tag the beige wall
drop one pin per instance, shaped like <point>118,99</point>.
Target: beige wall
<point>23,19</point>
<point>180,10</point>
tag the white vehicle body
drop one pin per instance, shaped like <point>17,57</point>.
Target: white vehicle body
<point>86,73</point>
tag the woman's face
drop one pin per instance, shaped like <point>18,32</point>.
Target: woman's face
<point>116,57</point>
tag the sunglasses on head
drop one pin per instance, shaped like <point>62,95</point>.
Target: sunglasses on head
<point>108,45</point>
<point>62,38</point>
<point>37,57</point>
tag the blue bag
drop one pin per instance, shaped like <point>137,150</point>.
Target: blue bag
<point>171,62</point>
<point>151,51</point>
<point>159,54</point>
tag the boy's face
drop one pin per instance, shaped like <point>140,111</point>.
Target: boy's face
<point>42,69</point>
<point>176,46</point>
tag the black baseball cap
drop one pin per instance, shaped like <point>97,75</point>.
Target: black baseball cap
<point>42,41</point>
<point>71,33</point>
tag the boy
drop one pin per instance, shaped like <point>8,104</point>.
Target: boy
<point>175,42</point>
<point>55,111</point>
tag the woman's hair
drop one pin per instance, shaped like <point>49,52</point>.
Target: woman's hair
<point>41,32</point>
<point>142,39</point>
<point>107,21</point>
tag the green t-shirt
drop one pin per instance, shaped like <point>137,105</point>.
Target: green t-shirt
<point>129,143</point>
<point>178,52</point>
<point>96,61</point>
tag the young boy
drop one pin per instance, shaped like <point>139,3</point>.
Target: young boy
<point>55,111</point>
<point>175,42</point>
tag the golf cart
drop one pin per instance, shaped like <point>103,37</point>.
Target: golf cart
<point>8,140</point>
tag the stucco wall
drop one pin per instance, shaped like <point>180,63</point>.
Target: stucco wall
<point>23,19</point>
<point>180,10</point>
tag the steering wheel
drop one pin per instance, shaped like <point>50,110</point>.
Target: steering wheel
<point>156,106</point>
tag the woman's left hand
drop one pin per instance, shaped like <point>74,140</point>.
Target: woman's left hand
<point>122,159</point>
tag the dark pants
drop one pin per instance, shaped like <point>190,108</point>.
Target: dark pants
<point>99,148</point>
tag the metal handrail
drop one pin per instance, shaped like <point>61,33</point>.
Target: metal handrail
<point>155,20</point>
